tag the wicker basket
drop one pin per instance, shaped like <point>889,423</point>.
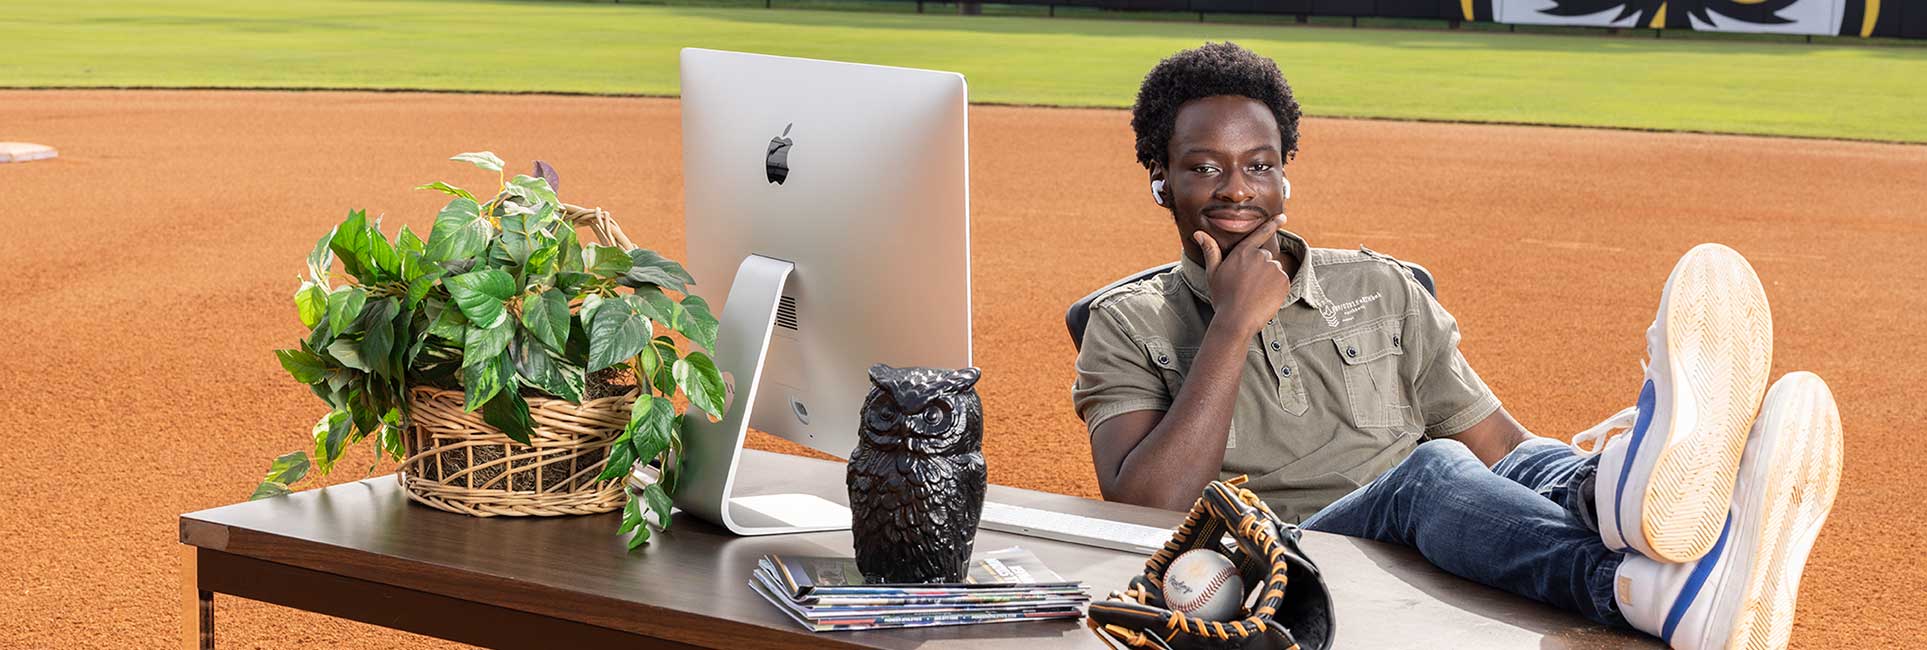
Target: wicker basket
<point>459,463</point>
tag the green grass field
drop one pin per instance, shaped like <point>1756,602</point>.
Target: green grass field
<point>1875,93</point>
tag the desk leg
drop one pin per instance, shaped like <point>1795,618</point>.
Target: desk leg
<point>197,620</point>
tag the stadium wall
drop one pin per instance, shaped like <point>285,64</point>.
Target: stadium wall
<point>1862,18</point>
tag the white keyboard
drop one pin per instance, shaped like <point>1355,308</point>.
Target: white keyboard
<point>1076,529</point>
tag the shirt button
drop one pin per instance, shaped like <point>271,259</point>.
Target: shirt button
<point>1284,370</point>
<point>1163,359</point>
<point>1275,346</point>
<point>1351,352</point>
<point>1395,340</point>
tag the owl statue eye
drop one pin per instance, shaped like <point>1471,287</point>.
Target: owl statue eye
<point>882,419</point>
<point>936,417</point>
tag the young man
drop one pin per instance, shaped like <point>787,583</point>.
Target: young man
<point>1319,372</point>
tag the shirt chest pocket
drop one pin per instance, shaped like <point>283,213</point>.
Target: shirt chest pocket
<point>1373,387</point>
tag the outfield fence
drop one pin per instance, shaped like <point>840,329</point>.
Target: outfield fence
<point>1861,18</point>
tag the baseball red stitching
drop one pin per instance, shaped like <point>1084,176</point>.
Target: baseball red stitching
<point>1210,589</point>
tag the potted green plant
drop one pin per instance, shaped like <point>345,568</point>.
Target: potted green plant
<point>508,367</point>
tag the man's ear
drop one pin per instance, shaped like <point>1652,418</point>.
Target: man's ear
<point>1159,193</point>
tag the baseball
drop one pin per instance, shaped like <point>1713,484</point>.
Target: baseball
<point>1204,584</point>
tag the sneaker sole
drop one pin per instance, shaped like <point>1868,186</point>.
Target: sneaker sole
<point>1801,481</point>
<point>1719,345</point>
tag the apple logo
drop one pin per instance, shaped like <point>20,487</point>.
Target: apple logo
<point>778,162</point>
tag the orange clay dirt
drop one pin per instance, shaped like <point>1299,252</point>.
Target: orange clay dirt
<point>146,276</point>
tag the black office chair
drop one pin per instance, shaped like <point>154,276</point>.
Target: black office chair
<point>1080,312</point>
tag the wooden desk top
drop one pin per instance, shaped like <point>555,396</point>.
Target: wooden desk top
<point>690,584</point>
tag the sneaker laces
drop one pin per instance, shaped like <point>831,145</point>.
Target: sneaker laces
<point>1592,440</point>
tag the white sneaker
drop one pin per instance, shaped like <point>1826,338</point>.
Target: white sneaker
<point>1663,489</point>
<point>1741,595</point>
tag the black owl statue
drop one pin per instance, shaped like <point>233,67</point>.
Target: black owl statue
<point>917,475</point>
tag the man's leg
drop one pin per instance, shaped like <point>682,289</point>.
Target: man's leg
<point>1483,527</point>
<point>1556,471</point>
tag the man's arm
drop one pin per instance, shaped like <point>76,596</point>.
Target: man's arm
<point>1164,459</point>
<point>1494,437</point>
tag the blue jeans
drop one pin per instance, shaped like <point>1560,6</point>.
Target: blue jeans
<point>1525,525</point>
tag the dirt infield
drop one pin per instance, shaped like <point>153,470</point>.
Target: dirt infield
<point>145,277</point>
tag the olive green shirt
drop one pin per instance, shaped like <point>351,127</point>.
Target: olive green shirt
<point>1360,364</point>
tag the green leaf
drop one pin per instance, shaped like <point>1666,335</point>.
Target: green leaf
<point>569,248</point>
<point>447,189</point>
<point>659,503</point>
<point>573,281</point>
<point>460,232</point>
<point>350,243</point>
<point>545,370</point>
<point>664,350</point>
<point>641,537</point>
<point>382,258</point>
<point>330,433</point>
<point>651,423</point>
<point>481,294</point>
<point>591,303</point>
<point>390,442</point>
<point>483,159</point>
<point>619,332</point>
<point>697,322</point>
<point>621,459</point>
<point>407,242</point>
<point>347,352</point>
<point>547,317</point>
<point>268,490</point>
<point>510,413</point>
<point>532,188</point>
<point>606,261</point>
<point>658,306</point>
<point>288,469</point>
<point>311,303</point>
<point>481,381</point>
<point>378,341</point>
<point>419,287</point>
<point>306,367</point>
<point>649,268</point>
<point>483,343</point>
<point>523,233</point>
<point>450,324</point>
<point>321,258</point>
<point>702,382</point>
<point>344,307</point>
<point>631,516</point>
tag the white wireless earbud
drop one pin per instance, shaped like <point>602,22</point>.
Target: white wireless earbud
<point>1287,186</point>
<point>1157,191</point>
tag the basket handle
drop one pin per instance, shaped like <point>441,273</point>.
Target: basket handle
<point>598,220</point>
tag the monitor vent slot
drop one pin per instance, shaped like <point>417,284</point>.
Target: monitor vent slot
<point>786,313</point>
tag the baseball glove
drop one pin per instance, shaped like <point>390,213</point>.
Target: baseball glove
<point>1293,611</point>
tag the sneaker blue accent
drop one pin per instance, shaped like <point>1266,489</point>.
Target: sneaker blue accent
<point>1645,420</point>
<point>1694,582</point>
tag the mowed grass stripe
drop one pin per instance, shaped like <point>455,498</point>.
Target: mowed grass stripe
<point>1720,86</point>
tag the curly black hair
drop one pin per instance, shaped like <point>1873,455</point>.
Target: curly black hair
<point>1207,71</point>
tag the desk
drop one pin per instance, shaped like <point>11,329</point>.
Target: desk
<point>362,551</point>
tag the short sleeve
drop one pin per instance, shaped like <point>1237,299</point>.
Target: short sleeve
<point>1450,395</point>
<point>1114,376</point>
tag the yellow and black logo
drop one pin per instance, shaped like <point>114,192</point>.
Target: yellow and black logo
<point>1652,13</point>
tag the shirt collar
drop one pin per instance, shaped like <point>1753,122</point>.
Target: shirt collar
<point>1304,280</point>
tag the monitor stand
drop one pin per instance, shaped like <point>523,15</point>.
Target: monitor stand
<point>712,450</point>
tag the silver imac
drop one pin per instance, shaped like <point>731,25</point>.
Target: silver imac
<point>828,218</point>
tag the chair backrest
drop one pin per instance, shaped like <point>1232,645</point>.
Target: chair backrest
<point>1079,314</point>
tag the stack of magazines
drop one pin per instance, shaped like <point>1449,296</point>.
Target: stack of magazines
<point>829,594</point>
